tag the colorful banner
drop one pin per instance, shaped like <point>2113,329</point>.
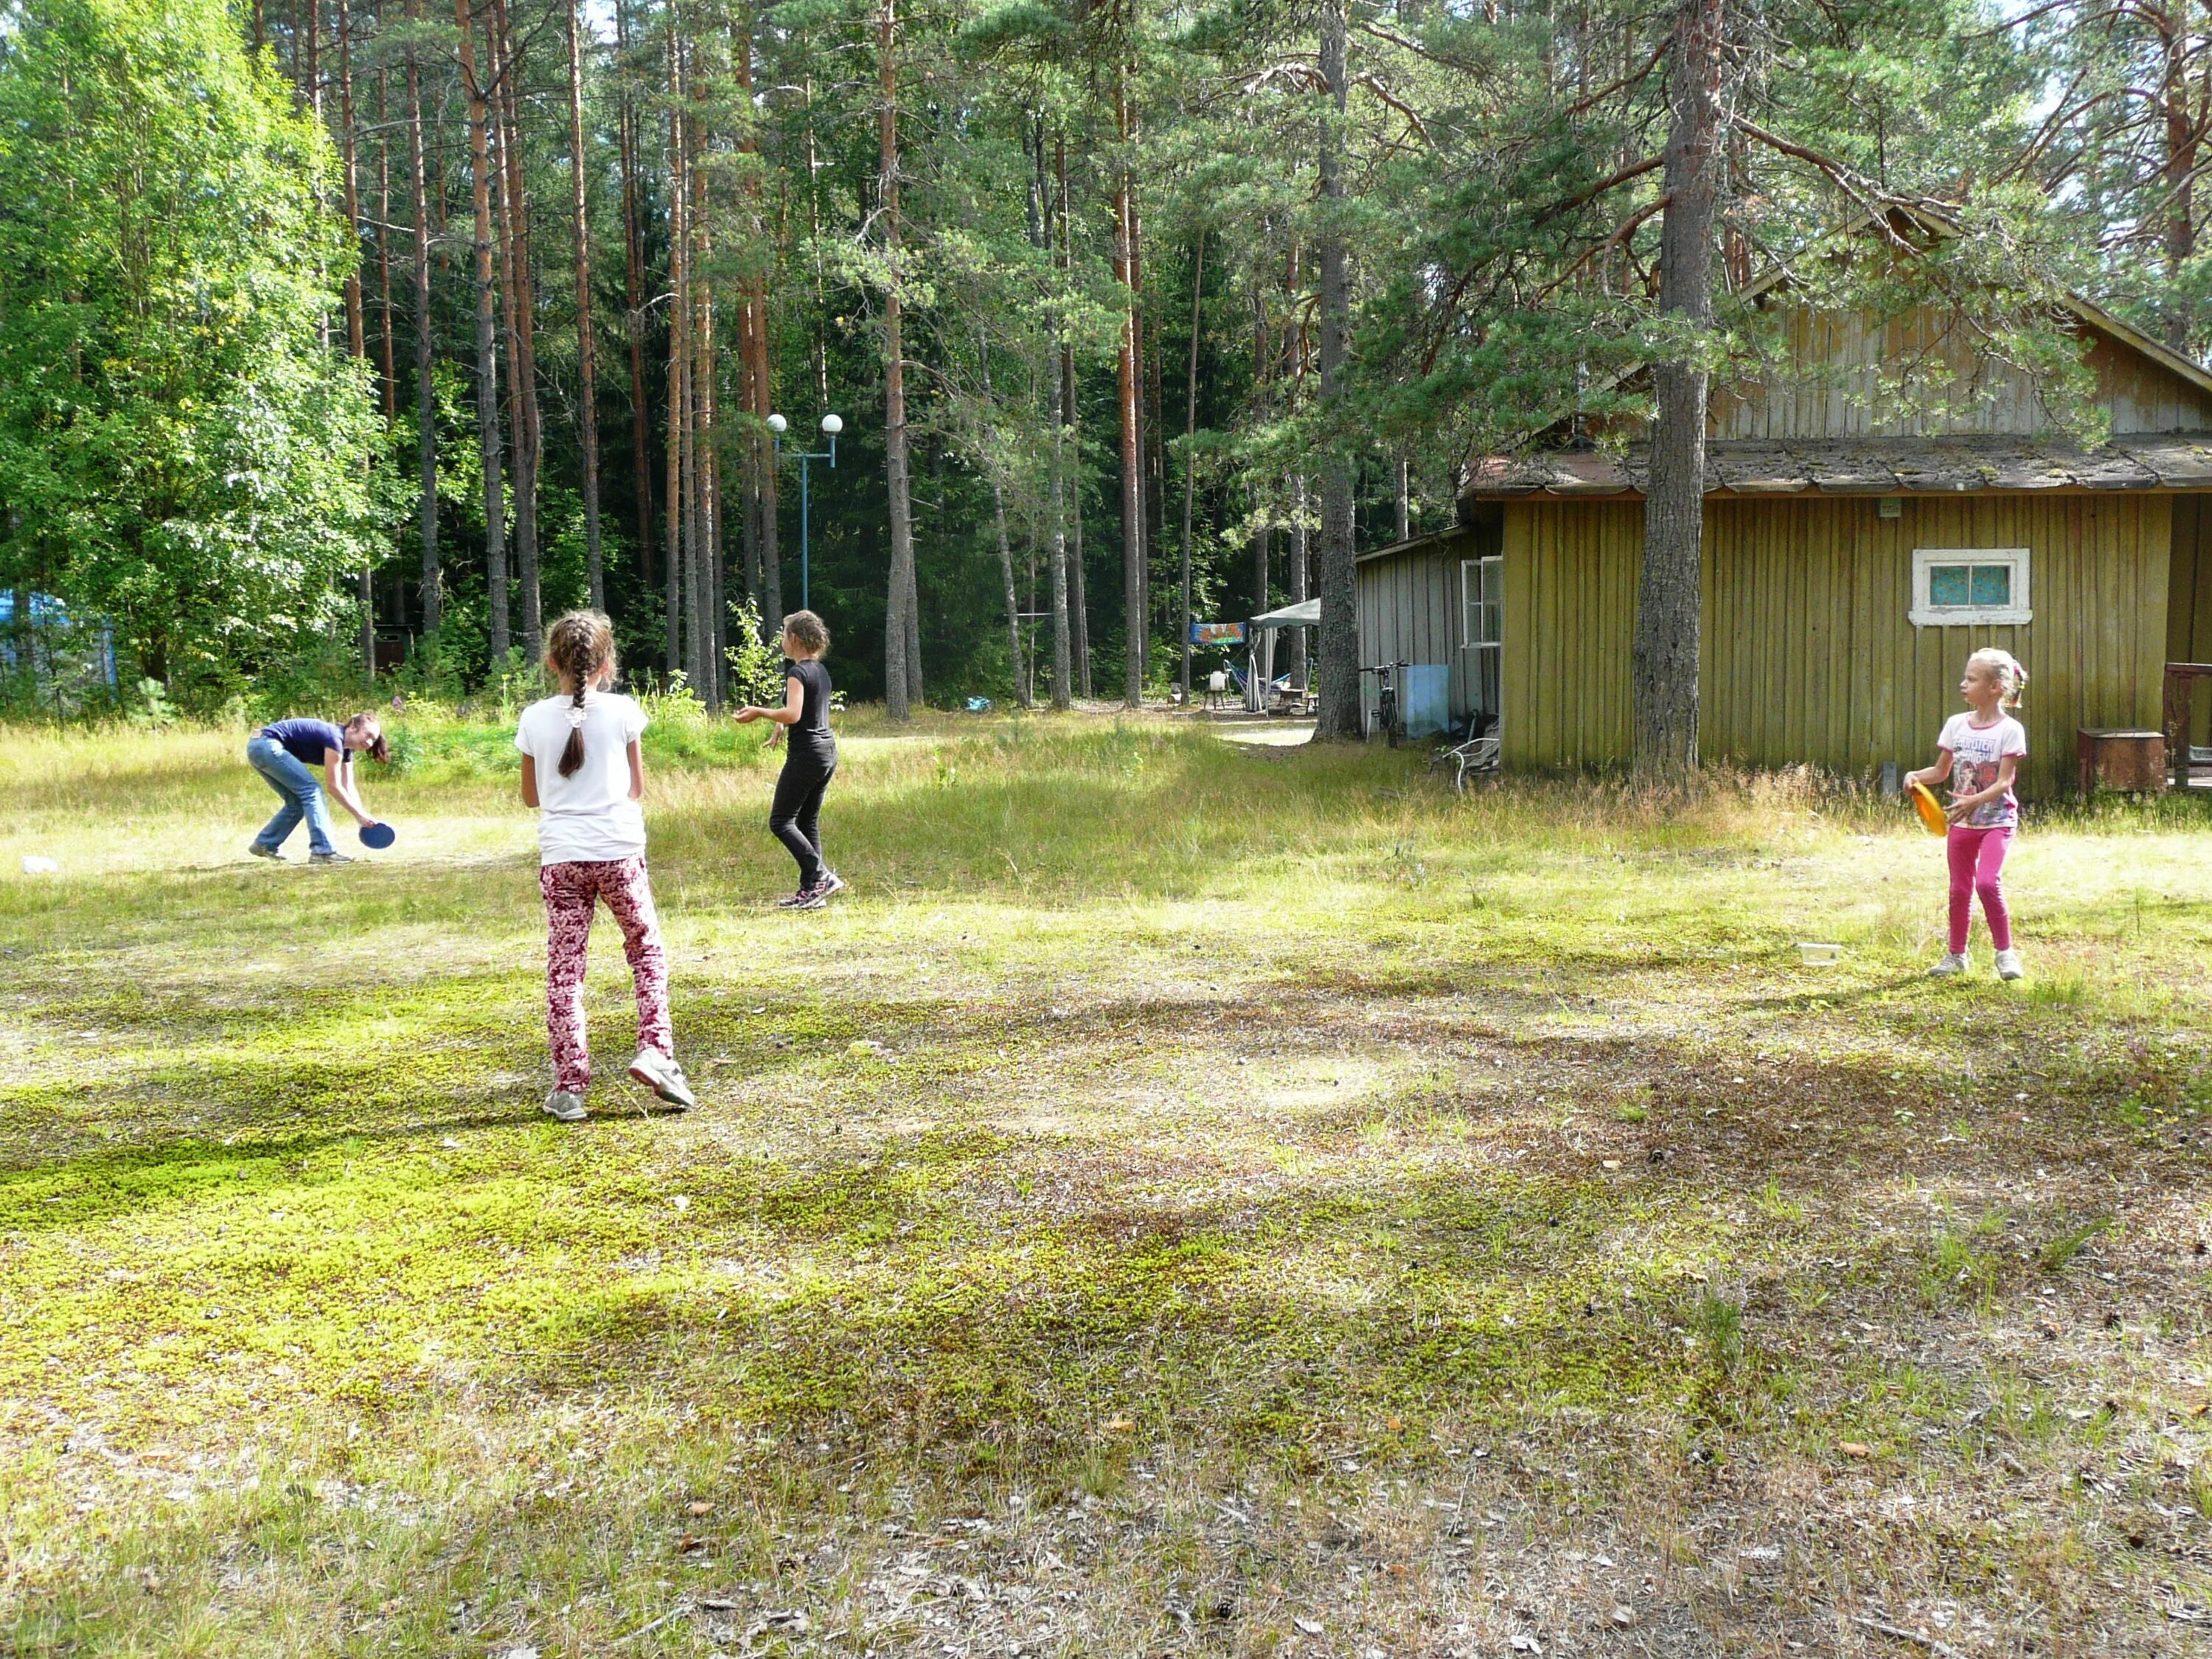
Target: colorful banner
<point>1217,633</point>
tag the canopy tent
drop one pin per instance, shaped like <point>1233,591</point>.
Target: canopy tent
<point>1307,615</point>
<point>1262,634</point>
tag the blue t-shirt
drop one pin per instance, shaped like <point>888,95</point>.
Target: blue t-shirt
<point>306,740</point>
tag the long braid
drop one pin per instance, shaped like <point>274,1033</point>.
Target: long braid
<point>576,648</point>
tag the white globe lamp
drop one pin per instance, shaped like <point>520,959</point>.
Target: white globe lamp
<point>778,425</point>
<point>833,424</point>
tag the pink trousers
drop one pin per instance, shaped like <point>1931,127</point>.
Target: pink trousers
<point>1977,858</point>
<point>572,894</point>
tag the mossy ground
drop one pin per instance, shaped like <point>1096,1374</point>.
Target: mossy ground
<point>1187,1197</point>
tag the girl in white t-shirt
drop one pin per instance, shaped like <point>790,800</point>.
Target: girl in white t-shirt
<point>1979,753</point>
<point>582,769</point>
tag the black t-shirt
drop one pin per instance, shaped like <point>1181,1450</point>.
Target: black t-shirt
<point>813,727</point>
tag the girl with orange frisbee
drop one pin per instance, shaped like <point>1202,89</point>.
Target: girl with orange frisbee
<point>1978,753</point>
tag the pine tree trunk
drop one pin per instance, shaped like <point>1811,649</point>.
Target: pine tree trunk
<point>764,454</point>
<point>1061,642</point>
<point>313,85</point>
<point>640,419</point>
<point>999,521</point>
<point>588,413</point>
<point>899,692</point>
<point>1300,668</point>
<point>1190,452</point>
<point>712,607</point>
<point>425,401</point>
<point>1405,500</point>
<point>1043,235</point>
<point>1664,669</point>
<point>487,345</point>
<point>384,243</point>
<point>679,399</point>
<point>1130,387</point>
<point>2178,44</point>
<point>519,290</point>
<point>714,610</point>
<point>759,380</point>
<point>356,322</point>
<point>1078,607</point>
<point>686,413</point>
<point>1013,601</point>
<point>1338,716</point>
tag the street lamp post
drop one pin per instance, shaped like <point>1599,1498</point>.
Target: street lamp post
<point>831,426</point>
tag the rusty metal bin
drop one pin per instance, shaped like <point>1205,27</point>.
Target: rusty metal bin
<point>2134,760</point>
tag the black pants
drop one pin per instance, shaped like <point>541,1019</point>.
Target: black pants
<point>796,814</point>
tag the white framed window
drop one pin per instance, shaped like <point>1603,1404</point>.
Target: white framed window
<point>1482,598</point>
<point>1956,586</point>
<point>1482,587</point>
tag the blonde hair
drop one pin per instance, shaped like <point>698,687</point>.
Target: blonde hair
<point>2005,668</point>
<point>809,630</point>
<point>577,647</point>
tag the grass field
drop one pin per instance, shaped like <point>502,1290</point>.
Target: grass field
<point>1186,1199</point>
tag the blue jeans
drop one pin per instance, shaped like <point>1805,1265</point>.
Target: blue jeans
<point>302,794</point>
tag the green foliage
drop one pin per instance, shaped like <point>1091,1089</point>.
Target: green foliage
<point>178,452</point>
<point>2058,1252</point>
<point>755,666</point>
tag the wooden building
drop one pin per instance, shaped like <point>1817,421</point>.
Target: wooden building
<point>1437,599</point>
<point>1854,554</point>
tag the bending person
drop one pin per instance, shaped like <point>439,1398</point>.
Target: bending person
<point>286,753</point>
<point>809,759</point>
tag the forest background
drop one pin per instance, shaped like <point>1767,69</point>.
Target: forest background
<point>329,327</point>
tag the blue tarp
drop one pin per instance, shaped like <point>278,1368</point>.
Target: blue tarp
<point>1425,699</point>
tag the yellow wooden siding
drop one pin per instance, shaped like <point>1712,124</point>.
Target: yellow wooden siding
<point>1842,401</point>
<point>1570,572</point>
<point>1809,655</point>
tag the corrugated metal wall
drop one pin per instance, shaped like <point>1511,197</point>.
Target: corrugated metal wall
<point>1809,655</point>
<point>1410,611</point>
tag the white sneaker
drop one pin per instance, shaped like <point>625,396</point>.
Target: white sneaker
<point>1951,962</point>
<point>661,1074</point>
<point>568,1108</point>
<point>2008,965</point>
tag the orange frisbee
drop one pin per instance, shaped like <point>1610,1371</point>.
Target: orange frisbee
<point>1930,809</point>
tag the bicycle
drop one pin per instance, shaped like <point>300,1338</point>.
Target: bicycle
<point>1386,699</point>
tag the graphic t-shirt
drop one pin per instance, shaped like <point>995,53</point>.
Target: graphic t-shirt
<point>1976,751</point>
<point>305,741</point>
<point>588,818</point>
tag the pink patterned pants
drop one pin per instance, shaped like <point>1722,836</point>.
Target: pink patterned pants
<point>572,894</point>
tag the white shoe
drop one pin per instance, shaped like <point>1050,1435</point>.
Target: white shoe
<point>1949,964</point>
<point>661,1074</point>
<point>2008,965</point>
<point>568,1108</point>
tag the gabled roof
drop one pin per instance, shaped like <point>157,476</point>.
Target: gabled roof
<point>1867,466</point>
<point>2078,306</point>
<point>1427,542</point>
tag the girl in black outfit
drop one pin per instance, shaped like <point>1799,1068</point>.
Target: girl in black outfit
<point>809,759</point>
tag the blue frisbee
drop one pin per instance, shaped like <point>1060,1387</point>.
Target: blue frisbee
<point>378,836</point>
